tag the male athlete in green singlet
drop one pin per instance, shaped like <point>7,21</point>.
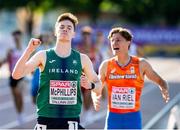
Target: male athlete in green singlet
<point>59,97</point>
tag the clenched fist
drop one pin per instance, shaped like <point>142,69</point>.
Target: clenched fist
<point>33,44</point>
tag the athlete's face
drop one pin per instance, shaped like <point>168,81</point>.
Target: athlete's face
<point>64,30</point>
<point>119,44</point>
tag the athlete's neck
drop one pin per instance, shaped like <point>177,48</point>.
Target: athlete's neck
<point>123,60</point>
<point>63,49</point>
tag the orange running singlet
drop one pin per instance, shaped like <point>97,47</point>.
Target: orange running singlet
<point>124,86</point>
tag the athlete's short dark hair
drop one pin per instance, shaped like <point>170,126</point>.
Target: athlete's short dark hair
<point>16,32</point>
<point>68,16</point>
<point>123,31</point>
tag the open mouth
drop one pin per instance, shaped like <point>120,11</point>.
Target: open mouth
<point>116,48</point>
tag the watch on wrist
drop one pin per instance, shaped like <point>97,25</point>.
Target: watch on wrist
<point>92,86</point>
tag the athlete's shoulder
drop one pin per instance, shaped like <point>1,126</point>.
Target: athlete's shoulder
<point>143,60</point>
<point>41,54</point>
<point>75,52</point>
<point>110,60</point>
<point>137,60</point>
<point>84,56</point>
<point>85,59</point>
<point>105,63</point>
<point>144,63</point>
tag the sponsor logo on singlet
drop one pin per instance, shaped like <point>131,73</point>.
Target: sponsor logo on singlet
<point>125,76</point>
<point>123,97</point>
<point>74,62</point>
<point>63,92</point>
<point>130,75</point>
<point>52,61</point>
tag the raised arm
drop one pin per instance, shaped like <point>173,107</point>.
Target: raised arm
<point>152,75</point>
<point>25,64</point>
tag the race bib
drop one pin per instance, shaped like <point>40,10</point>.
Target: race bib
<point>73,125</point>
<point>63,92</point>
<point>123,97</point>
<point>40,127</point>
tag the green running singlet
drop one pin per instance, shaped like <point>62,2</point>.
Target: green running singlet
<point>59,95</point>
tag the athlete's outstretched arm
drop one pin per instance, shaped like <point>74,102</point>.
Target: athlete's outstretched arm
<point>26,64</point>
<point>152,75</point>
<point>89,78</point>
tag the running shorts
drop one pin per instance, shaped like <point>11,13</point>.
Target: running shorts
<point>58,123</point>
<point>130,120</point>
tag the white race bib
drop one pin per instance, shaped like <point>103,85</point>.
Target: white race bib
<point>40,127</point>
<point>63,92</point>
<point>73,125</point>
<point>123,97</point>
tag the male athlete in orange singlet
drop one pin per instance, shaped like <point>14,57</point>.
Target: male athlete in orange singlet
<point>124,77</point>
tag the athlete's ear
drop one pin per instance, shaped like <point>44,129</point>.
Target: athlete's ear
<point>129,44</point>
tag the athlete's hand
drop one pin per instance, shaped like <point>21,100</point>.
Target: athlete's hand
<point>96,101</point>
<point>165,94</point>
<point>33,44</point>
<point>85,82</point>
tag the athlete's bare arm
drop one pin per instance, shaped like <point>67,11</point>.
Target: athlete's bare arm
<point>102,72</point>
<point>91,76</point>
<point>25,64</point>
<point>147,70</point>
<point>90,73</point>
